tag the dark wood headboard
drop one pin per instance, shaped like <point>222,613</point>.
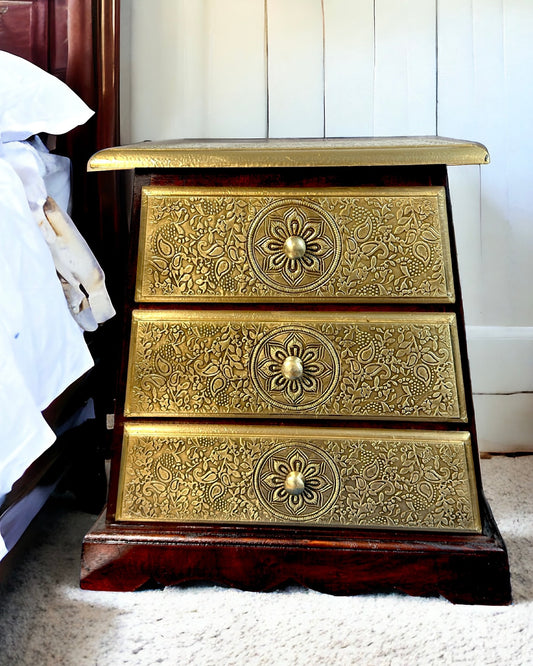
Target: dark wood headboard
<point>78,41</point>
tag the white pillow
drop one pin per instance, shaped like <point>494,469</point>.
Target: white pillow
<point>33,101</point>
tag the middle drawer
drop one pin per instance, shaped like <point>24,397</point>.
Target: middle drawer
<point>363,365</point>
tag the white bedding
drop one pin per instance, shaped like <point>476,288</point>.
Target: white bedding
<point>42,347</point>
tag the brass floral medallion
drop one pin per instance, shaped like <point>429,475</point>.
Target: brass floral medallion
<point>296,481</point>
<point>294,245</point>
<point>295,367</point>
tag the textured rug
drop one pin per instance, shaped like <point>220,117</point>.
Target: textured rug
<point>45,619</point>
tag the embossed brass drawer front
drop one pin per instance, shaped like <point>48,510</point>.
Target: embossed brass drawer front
<point>297,364</point>
<point>274,245</point>
<point>247,474</point>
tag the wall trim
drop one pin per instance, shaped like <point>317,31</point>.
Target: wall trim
<point>501,365</point>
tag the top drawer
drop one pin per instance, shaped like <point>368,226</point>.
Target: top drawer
<point>294,245</point>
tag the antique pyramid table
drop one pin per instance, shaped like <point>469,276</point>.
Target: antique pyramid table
<point>295,402</point>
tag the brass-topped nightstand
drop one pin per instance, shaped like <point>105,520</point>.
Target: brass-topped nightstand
<point>296,401</point>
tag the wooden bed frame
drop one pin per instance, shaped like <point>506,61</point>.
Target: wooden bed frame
<point>77,41</point>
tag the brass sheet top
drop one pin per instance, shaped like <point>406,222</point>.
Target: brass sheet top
<point>368,151</point>
<point>323,476</point>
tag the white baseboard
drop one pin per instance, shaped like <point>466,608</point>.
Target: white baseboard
<point>504,422</point>
<point>501,365</point>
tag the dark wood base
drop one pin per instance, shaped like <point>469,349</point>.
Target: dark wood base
<point>468,569</point>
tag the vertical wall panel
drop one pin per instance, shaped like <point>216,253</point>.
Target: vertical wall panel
<point>457,117</point>
<point>457,106</point>
<point>295,68</point>
<point>496,251</point>
<point>198,69</point>
<point>235,69</point>
<point>168,45</point>
<point>349,67</point>
<point>518,112</point>
<point>405,67</point>
<point>485,93</point>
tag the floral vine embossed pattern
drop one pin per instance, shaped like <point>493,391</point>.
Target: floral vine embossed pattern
<point>398,367</point>
<point>268,244</point>
<point>363,481</point>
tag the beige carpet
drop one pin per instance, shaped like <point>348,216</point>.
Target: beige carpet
<point>45,619</point>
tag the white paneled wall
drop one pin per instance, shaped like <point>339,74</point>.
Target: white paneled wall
<point>312,68</point>
<point>194,69</point>
<point>295,68</point>
<point>405,68</point>
<point>349,67</point>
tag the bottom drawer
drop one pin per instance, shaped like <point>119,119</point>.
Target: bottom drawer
<point>387,479</point>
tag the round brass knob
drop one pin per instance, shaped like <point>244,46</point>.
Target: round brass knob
<point>292,367</point>
<point>294,247</point>
<point>295,483</point>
